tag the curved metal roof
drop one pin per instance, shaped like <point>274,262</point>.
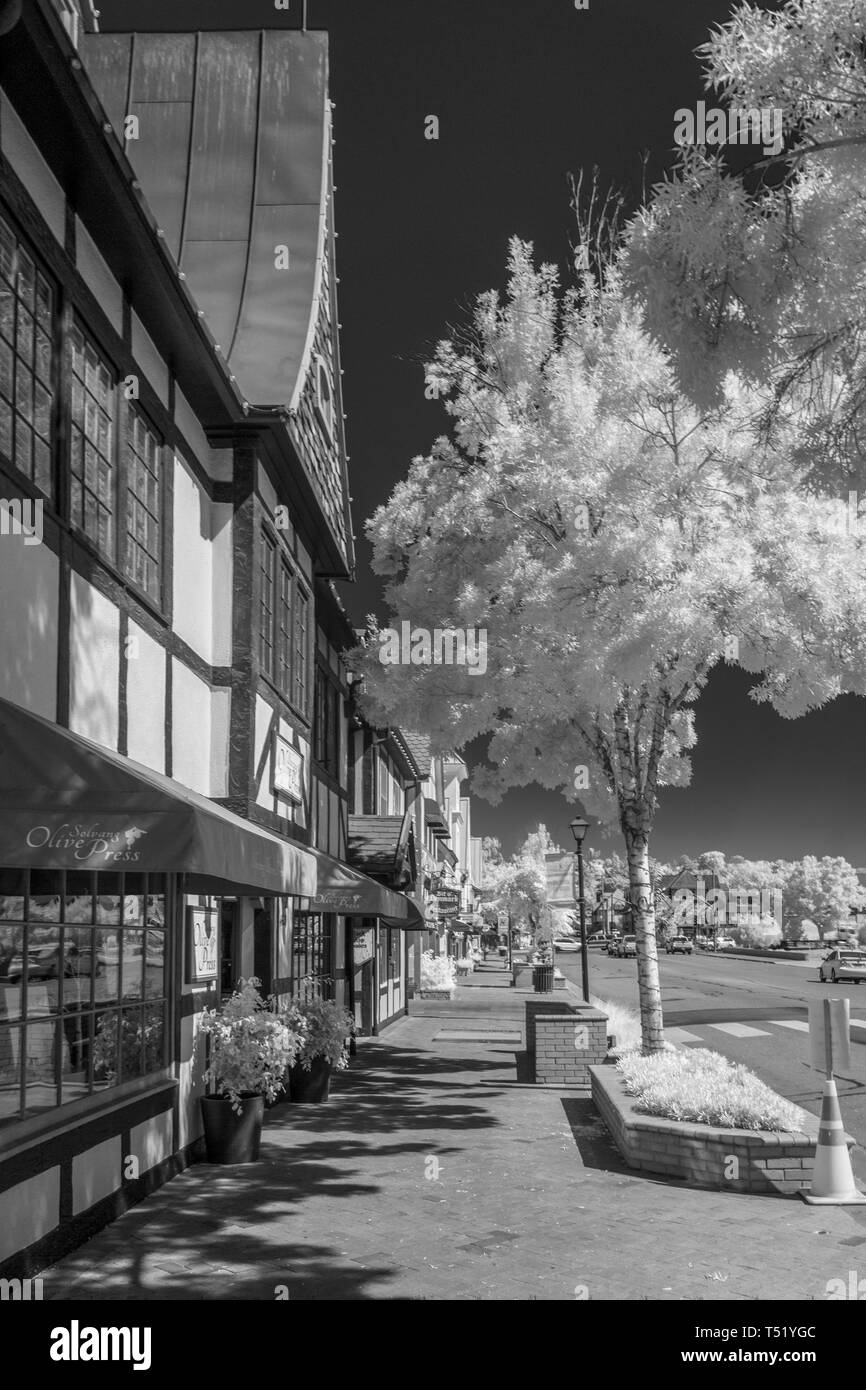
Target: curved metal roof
<point>232,152</point>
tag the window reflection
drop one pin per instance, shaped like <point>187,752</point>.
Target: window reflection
<point>12,888</point>
<point>10,1072</point>
<point>40,1080</point>
<point>44,895</point>
<point>105,1050</point>
<point>79,897</point>
<point>82,996</point>
<point>132,948</point>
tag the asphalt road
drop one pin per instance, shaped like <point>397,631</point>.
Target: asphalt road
<point>744,1008</point>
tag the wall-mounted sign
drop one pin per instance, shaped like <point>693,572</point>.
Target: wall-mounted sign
<point>362,945</point>
<point>288,778</point>
<point>202,944</point>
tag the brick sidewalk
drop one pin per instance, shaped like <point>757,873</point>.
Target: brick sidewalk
<point>531,1200</point>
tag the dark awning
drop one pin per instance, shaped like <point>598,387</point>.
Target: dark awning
<point>379,845</point>
<point>344,890</point>
<point>67,803</point>
<point>435,817</point>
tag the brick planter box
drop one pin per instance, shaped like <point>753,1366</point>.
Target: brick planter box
<point>565,1037</point>
<point>767,1162</point>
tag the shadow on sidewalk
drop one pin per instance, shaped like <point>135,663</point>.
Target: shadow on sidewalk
<point>594,1143</point>
<point>241,1232</point>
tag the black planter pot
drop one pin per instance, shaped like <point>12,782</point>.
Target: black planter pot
<point>542,979</point>
<point>231,1137</point>
<point>312,1085</point>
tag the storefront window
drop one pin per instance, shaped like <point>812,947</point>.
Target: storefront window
<point>311,956</point>
<point>82,985</point>
<point>27,364</point>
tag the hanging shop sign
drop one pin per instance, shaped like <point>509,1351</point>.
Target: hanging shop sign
<point>202,944</point>
<point>449,902</point>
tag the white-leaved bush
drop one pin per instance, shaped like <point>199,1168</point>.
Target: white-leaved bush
<point>437,972</point>
<point>705,1088</point>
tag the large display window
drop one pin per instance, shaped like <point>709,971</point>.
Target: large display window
<point>83,995</point>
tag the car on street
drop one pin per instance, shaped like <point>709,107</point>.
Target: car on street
<point>627,946</point>
<point>681,945</point>
<point>725,943</point>
<point>43,962</point>
<point>843,965</point>
<point>567,943</point>
<point>613,946</point>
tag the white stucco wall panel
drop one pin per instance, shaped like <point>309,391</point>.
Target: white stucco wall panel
<point>29,576</point>
<point>32,169</point>
<point>94,664</point>
<point>145,697</point>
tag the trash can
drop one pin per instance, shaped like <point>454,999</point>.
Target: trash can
<point>542,979</point>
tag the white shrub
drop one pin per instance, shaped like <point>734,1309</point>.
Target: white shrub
<point>704,1087</point>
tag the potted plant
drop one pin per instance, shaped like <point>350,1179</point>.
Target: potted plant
<point>542,968</point>
<point>438,976</point>
<point>325,1028</point>
<point>251,1047</point>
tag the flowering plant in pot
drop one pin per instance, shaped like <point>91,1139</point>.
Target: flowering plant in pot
<point>324,1027</point>
<point>438,976</point>
<point>251,1047</point>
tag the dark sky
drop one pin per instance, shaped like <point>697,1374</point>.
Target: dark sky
<point>526,93</point>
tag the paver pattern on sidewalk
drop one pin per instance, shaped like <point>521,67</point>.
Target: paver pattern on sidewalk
<point>436,1172</point>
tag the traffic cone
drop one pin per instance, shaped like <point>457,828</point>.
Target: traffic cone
<point>833,1177</point>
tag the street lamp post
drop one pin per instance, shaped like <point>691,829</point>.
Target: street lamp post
<point>578,829</point>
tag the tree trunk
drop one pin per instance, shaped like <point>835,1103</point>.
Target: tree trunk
<point>643,911</point>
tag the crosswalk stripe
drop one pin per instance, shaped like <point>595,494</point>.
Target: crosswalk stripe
<point>740,1030</point>
<point>796,1023</point>
<point>681,1035</point>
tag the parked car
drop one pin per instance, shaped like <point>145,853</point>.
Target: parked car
<point>43,962</point>
<point>843,965</point>
<point>627,946</point>
<point>567,943</point>
<point>680,944</point>
<point>725,943</point>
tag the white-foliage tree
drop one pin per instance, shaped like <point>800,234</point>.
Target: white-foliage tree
<point>614,542</point>
<point>762,271</point>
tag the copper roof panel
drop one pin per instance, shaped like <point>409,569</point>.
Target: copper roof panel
<point>108,67</point>
<point>217,269</point>
<point>163,67</point>
<point>223,166</point>
<point>252,177</point>
<point>162,162</point>
<point>276,303</point>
